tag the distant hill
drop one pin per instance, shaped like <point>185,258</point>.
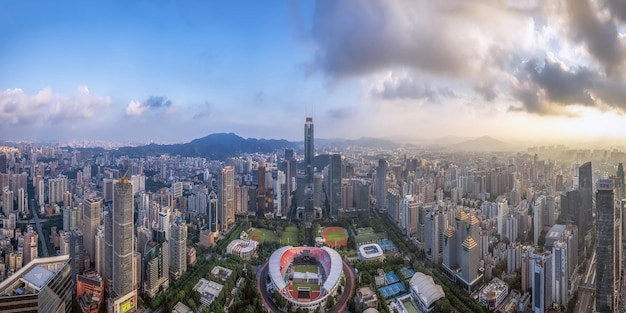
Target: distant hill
<point>484,143</point>
<point>215,146</point>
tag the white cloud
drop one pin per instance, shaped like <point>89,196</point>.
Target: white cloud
<point>135,108</point>
<point>18,107</point>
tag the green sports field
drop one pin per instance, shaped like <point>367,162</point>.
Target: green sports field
<point>410,307</point>
<point>306,268</point>
<point>314,287</point>
<point>289,236</point>
<point>262,235</point>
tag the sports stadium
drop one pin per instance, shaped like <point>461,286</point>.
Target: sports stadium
<point>371,251</point>
<point>305,276</point>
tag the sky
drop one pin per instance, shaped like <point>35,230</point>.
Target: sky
<point>172,71</point>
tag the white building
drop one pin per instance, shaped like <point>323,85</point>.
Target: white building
<point>424,291</point>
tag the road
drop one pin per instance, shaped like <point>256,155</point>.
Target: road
<point>586,287</point>
<point>340,305</point>
<point>44,245</point>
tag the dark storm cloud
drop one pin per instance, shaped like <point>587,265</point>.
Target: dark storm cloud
<point>617,8</point>
<point>360,37</point>
<point>600,38</point>
<point>341,113</point>
<point>545,88</point>
<point>487,91</point>
<point>156,102</point>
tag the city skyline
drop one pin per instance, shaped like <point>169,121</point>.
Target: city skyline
<point>166,71</point>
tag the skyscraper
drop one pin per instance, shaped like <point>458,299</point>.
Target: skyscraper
<point>571,213</point>
<point>308,149</point>
<point>334,194</point>
<point>606,237</point>
<point>308,165</point>
<point>585,183</point>
<point>212,213</point>
<point>178,248</point>
<point>619,182</point>
<point>542,272</point>
<point>381,186</point>
<point>123,237</point>
<point>261,189</point>
<point>91,220</point>
<point>226,199</point>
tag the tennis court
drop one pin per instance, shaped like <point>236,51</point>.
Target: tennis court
<point>407,272</point>
<point>387,245</point>
<point>392,290</point>
<point>391,278</point>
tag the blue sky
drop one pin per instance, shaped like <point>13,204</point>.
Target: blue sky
<point>178,70</point>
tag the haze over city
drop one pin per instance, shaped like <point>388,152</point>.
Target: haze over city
<point>170,71</point>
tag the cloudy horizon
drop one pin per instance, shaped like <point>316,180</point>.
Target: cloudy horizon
<point>170,71</point>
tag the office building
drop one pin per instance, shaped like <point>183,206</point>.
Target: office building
<point>381,186</point>
<point>572,213</point>
<point>123,279</point>
<point>542,278</point>
<point>461,252</point>
<point>334,179</point>
<point>42,285</point>
<point>92,208</point>
<point>213,223</point>
<point>309,189</point>
<point>619,182</point>
<point>585,182</point>
<point>606,239</point>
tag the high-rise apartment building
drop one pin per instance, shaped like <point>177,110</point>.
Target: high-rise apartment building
<point>92,207</point>
<point>226,199</point>
<point>607,237</point>
<point>123,238</point>
<point>178,248</point>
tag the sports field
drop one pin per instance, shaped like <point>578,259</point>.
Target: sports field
<point>289,236</point>
<point>314,287</point>
<point>336,236</point>
<point>306,269</point>
<point>370,238</point>
<point>262,235</point>
<point>409,306</point>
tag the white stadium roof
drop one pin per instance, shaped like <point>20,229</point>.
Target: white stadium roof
<point>333,275</point>
<point>378,251</point>
<point>424,286</point>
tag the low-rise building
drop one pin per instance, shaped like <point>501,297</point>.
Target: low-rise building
<point>245,249</point>
<point>366,298</point>
<point>424,291</point>
<point>89,292</point>
<point>209,290</point>
<point>221,273</point>
<point>493,294</point>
